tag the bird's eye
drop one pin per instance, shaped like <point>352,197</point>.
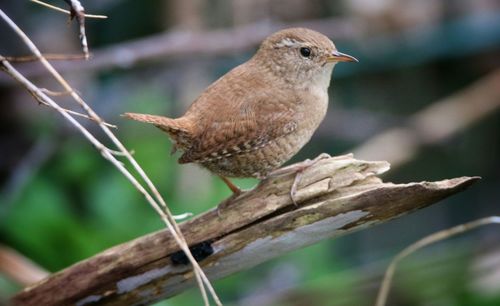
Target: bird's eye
<point>305,52</point>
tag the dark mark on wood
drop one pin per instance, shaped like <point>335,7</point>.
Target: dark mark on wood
<point>200,251</point>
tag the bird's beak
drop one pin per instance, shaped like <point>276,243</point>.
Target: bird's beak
<point>337,56</point>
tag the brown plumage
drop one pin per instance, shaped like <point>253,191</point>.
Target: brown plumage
<point>257,116</point>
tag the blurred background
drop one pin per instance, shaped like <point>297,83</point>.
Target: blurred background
<point>425,96</point>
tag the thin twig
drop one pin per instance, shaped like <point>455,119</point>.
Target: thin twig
<point>75,113</point>
<point>53,7</point>
<point>119,153</point>
<point>48,92</point>
<point>19,268</point>
<point>165,214</point>
<point>52,57</point>
<point>55,93</point>
<point>77,11</point>
<point>433,238</point>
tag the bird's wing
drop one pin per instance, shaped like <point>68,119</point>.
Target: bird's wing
<point>238,128</point>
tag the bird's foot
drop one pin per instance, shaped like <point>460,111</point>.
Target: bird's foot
<point>225,204</point>
<point>298,169</point>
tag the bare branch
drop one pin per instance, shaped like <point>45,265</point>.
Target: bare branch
<point>53,7</point>
<point>177,43</point>
<point>55,57</point>
<point>432,238</point>
<point>436,122</point>
<point>336,196</point>
<point>77,11</point>
<point>55,93</point>
<point>188,44</point>
<point>208,43</point>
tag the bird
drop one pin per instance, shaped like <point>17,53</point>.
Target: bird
<point>256,117</point>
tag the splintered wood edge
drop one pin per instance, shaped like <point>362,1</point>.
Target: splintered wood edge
<point>141,271</point>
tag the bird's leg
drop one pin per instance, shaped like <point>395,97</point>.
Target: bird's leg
<point>236,191</point>
<point>298,169</point>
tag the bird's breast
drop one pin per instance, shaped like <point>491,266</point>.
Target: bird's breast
<point>313,108</point>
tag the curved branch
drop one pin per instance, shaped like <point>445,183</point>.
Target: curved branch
<point>180,43</point>
<point>336,196</point>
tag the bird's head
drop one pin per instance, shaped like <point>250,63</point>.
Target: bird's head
<point>300,56</point>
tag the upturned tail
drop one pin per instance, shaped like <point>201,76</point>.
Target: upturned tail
<point>179,130</point>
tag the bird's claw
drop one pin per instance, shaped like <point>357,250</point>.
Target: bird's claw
<point>299,169</point>
<point>223,205</point>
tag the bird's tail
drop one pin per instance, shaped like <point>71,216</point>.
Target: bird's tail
<point>179,130</point>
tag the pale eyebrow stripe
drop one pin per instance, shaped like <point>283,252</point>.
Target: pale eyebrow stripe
<point>287,42</point>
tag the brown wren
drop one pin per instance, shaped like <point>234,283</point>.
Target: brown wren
<point>260,114</point>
